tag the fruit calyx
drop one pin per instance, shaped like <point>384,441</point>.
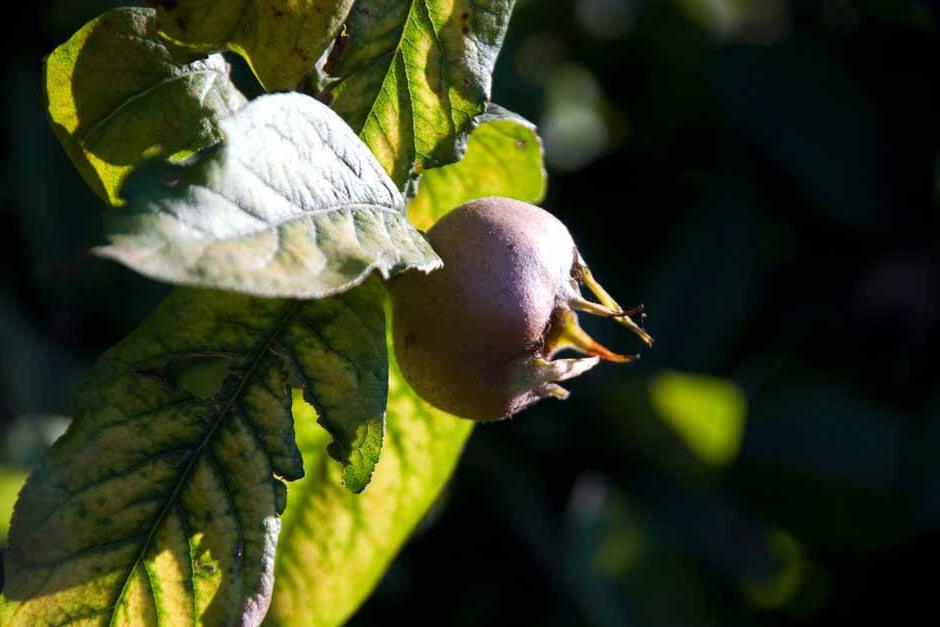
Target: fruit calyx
<point>564,332</point>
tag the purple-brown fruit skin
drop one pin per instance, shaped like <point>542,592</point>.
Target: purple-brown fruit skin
<point>462,333</point>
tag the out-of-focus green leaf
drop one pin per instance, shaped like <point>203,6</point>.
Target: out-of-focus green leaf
<point>291,204</point>
<point>410,76</point>
<point>780,585</point>
<point>503,158</point>
<point>160,504</point>
<point>116,90</point>
<point>11,481</point>
<point>335,545</point>
<point>622,567</point>
<point>280,39</point>
<point>709,414</point>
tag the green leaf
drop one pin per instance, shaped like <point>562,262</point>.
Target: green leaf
<point>11,480</point>
<point>504,158</point>
<point>291,204</point>
<point>280,39</point>
<point>707,413</point>
<point>411,76</point>
<point>335,545</point>
<point>116,90</point>
<point>160,503</point>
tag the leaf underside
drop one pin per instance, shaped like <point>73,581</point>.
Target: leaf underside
<point>410,76</point>
<point>160,504</point>
<point>116,90</point>
<point>280,39</point>
<point>291,204</point>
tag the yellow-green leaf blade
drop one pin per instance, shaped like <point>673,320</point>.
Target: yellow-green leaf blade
<point>11,480</point>
<point>411,76</point>
<point>335,545</point>
<point>504,158</point>
<point>116,90</point>
<point>280,39</point>
<point>160,504</point>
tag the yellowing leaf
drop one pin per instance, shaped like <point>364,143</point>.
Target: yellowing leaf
<point>503,158</point>
<point>115,91</point>
<point>336,545</point>
<point>160,504</point>
<point>280,39</point>
<point>411,75</point>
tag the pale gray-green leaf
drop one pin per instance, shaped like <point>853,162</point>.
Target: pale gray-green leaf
<point>116,90</point>
<point>291,204</point>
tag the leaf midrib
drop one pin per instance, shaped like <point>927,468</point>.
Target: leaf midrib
<point>395,54</point>
<point>279,328</point>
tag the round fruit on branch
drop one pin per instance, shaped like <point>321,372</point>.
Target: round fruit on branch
<point>478,338</point>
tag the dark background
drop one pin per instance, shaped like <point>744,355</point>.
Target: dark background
<point>762,174</point>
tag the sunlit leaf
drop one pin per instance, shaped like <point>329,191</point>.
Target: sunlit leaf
<point>160,503</point>
<point>116,89</point>
<point>410,76</point>
<point>336,545</point>
<point>11,480</point>
<point>280,39</point>
<point>503,158</point>
<point>707,413</point>
<point>291,204</point>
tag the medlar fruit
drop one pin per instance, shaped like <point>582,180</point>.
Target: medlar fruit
<point>478,337</point>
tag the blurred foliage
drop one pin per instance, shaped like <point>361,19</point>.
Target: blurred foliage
<point>708,414</point>
<point>763,176</point>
